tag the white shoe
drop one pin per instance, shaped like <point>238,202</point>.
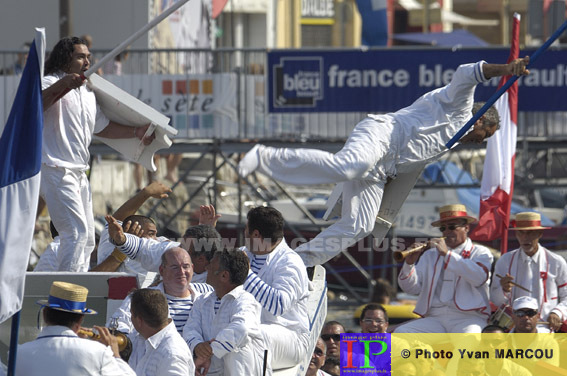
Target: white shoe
<point>251,161</point>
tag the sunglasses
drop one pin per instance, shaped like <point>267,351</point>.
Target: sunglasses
<point>450,227</point>
<point>334,337</point>
<point>529,313</point>
<point>318,352</point>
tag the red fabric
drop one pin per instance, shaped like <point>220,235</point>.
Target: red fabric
<point>120,287</point>
<point>218,6</point>
<point>543,276</point>
<point>451,214</point>
<point>494,214</point>
<point>493,218</point>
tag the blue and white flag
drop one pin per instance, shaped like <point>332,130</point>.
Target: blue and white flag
<point>20,162</point>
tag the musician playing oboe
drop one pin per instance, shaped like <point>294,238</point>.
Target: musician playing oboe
<point>451,278</point>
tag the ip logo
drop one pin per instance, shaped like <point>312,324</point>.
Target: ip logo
<point>366,354</point>
<point>298,82</point>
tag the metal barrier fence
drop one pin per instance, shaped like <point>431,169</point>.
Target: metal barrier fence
<point>221,94</point>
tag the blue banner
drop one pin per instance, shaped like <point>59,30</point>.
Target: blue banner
<point>387,80</point>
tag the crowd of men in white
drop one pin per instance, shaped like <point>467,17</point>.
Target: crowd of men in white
<point>243,312</point>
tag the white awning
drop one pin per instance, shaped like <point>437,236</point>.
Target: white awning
<point>447,15</point>
<point>246,6</point>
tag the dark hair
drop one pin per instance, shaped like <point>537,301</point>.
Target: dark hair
<point>331,323</point>
<point>491,116</point>
<point>268,221</point>
<point>60,58</point>
<point>373,307</point>
<point>141,219</point>
<point>332,361</point>
<point>151,306</point>
<point>205,239</point>
<point>62,318</point>
<point>493,328</point>
<point>382,290</point>
<point>236,263</point>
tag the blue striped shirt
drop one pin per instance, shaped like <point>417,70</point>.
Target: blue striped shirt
<point>179,310</point>
<point>267,296</point>
<point>258,262</point>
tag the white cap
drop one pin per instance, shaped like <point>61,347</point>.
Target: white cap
<point>525,302</point>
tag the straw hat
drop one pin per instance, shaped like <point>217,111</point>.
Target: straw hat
<point>528,221</point>
<point>68,297</point>
<point>456,211</point>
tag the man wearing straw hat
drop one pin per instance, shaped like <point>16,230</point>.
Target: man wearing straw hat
<point>58,350</point>
<point>534,271</point>
<point>451,279</point>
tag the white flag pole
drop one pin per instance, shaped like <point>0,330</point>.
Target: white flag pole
<point>122,46</point>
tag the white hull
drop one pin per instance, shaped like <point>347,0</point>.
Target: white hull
<point>39,283</point>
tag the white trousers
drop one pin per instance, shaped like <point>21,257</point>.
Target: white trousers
<point>248,360</point>
<point>363,164</point>
<point>68,196</point>
<point>286,348</point>
<point>445,320</point>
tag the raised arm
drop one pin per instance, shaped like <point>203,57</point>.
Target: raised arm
<point>516,67</point>
<point>51,94</point>
<point>130,207</point>
<point>208,215</point>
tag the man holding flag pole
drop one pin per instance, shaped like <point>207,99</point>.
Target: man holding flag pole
<point>72,116</point>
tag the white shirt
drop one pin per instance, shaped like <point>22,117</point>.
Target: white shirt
<point>234,326</point>
<point>281,287</point>
<point>68,126</point>
<point>105,248</point>
<point>433,119</point>
<point>179,308</point>
<point>48,260</point>
<point>164,353</point>
<point>147,252</point>
<point>466,277</point>
<point>59,351</point>
<point>199,278</point>
<point>548,285</point>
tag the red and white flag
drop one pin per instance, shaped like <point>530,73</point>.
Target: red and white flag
<point>497,184</point>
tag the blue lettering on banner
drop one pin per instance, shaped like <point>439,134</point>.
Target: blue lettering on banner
<point>385,80</point>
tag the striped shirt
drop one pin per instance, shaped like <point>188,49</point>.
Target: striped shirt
<point>179,308</point>
<point>258,262</point>
<point>281,288</point>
